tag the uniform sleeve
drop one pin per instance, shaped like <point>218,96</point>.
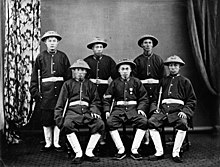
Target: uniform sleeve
<point>143,100</point>
<point>114,72</point>
<point>190,101</point>
<point>68,74</point>
<point>34,85</point>
<point>95,103</point>
<point>135,70</point>
<point>107,98</point>
<point>59,109</point>
<point>162,70</point>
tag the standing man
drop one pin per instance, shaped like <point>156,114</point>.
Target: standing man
<point>82,109</point>
<point>102,68</point>
<point>130,100</point>
<point>177,106</point>
<point>150,68</point>
<point>50,70</point>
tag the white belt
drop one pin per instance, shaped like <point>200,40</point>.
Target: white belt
<point>99,81</point>
<point>126,103</point>
<point>150,81</point>
<point>81,103</point>
<point>169,101</point>
<point>52,79</point>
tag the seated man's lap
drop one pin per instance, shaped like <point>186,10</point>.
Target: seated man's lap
<point>160,120</point>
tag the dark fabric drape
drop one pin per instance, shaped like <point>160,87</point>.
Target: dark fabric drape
<point>204,28</point>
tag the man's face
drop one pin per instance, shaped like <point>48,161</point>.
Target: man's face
<point>147,45</point>
<point>98,49</point>
<point>174,68</point>
<point>79,74</point>
<point>51,43</point>
<point>125,71</point>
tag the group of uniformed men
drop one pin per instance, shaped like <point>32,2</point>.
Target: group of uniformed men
<point>139,92</point>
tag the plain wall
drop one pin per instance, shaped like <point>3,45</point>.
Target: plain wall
<point>121,23</point>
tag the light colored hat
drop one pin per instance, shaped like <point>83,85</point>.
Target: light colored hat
<point>174,59</point>
<point>51,34</point>
<point>153,38</point>
<point>80,64</point>
<point>126,61</point>
<point>97,40</point>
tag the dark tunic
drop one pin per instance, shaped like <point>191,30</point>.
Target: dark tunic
<point>50,65</point>
<point>174,87</point>
<point>149,67</point>
<point>79,114</point>
<point>131,90</point>
<point>104,68</point>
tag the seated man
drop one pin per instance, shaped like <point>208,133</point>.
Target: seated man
<point>82,109</point>
<point>177,106</point>
<point>129,100</point>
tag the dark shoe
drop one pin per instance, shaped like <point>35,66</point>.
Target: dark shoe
<point>77,160</point>
<point>59,149</point>
<point>46,149</point>
<point>92,159</point>
<point>155,158</point>
<point>136,156</point>
<point>177,159</point>
<point>120,156</point>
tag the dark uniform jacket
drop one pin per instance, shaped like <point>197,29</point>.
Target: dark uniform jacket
<point>104,68</point>
<point>74,90</point>
<point>131,90</point>
<point>149,67</point>
<point>176,87</point>
<point>50,65</point>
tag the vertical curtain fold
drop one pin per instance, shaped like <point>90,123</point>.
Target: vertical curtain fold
<point>22,39</point>
<point>203,25</point>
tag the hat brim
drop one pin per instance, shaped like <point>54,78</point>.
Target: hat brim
<point>155,41</point>
<point>167,63</point>
<point>73,68</point>
<point>133,65</point>
<point>93,43</point>
<point>43,39</point>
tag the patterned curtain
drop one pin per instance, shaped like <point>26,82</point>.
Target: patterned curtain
<point>22,45</point>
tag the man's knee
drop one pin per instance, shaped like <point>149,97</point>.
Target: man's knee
<point>153,123</point>
<point>182,124</point>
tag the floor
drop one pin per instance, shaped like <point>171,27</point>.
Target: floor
<point>204,151</point>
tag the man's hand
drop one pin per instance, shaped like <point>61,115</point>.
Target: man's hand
<point>182,115</point>
<point>142,113</point>
<point>107,114</point>
<point>94,115</point>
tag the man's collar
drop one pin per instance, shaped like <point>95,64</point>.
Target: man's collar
<point>174,75</point>
<point>128,79</point>
<point>99,57</point>
<point>148,55</point>
<point>50,52</point>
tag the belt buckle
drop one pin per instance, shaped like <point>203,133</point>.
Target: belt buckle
<point>125,103</point>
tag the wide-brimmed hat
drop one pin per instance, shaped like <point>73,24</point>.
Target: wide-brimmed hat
<point>153,38</point>
<point>80,64</point>
<point>174,59</point>
<point>126,61</point>
<point>97,40</point>
<point>51,34</point>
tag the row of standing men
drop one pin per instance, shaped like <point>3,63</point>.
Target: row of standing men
<point>97,104</point>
